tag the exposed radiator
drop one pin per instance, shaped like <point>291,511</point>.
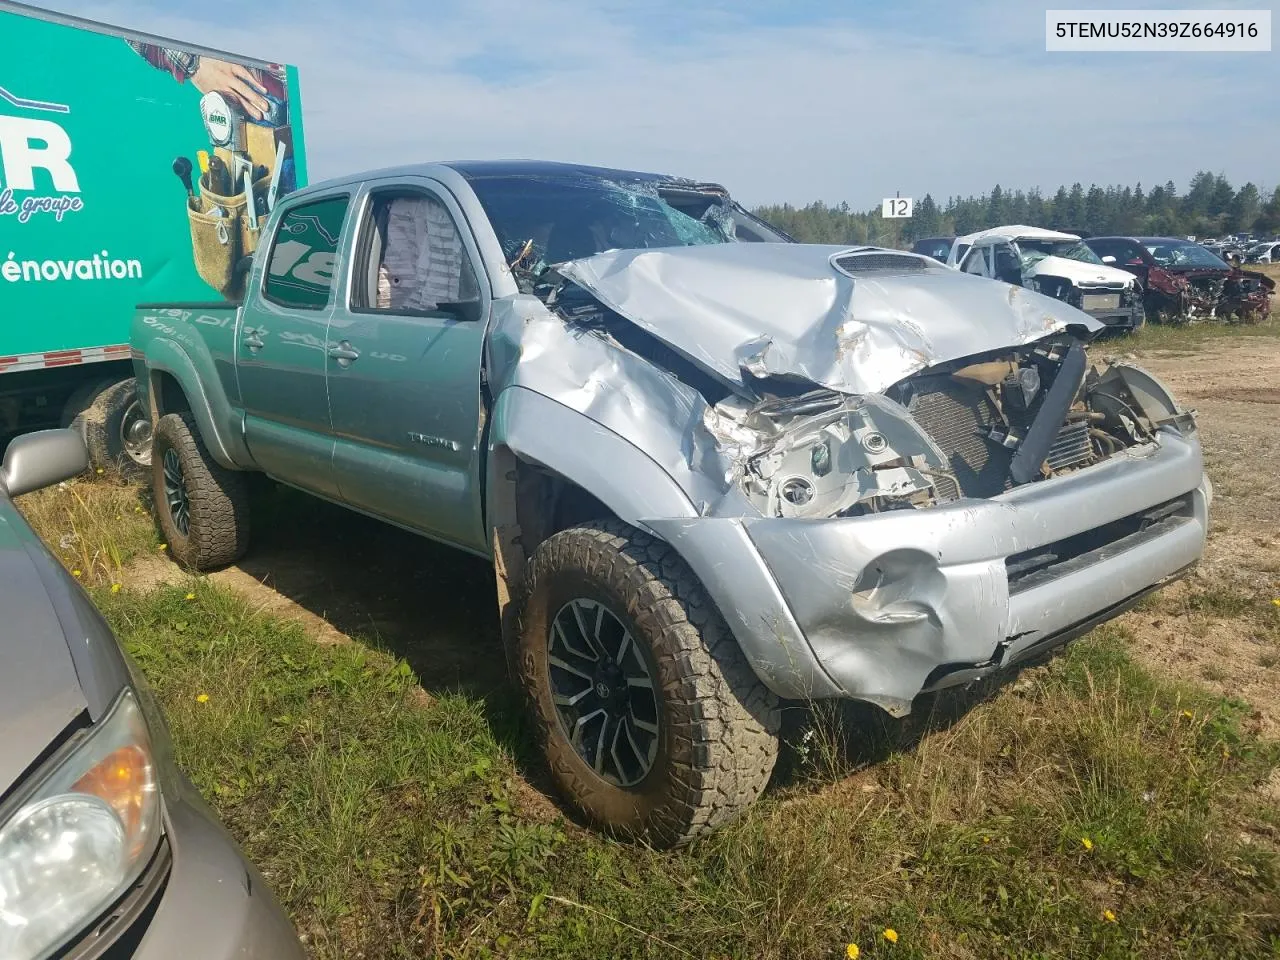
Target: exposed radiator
<point>1072,448</point>
<point>959,417</point>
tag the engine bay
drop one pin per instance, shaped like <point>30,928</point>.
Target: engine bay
<point>972,428</point>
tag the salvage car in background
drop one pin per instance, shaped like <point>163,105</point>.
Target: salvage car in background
<point>1265,252</point>
<point>711,475</point>
<point>936,247</point>
<point>1182,280</point>
<point>1057,264</point>
<point>106,850</point>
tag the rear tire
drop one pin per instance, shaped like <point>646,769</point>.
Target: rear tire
<point>202,507</point>
<point>116,430</point>
<point>685,754</point>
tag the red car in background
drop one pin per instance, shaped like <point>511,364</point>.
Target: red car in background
<point>1183,281</point>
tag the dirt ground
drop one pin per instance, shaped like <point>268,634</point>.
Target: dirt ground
<point>341,575</point>
<point>1232,384</point>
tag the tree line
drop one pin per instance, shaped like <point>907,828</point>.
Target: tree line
<point>1211,207</point>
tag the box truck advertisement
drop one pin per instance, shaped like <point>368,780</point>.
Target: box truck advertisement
<point>132,169</point>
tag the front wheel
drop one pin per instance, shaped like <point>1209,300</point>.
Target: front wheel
<point>203,508</point>
<point>650,717</point>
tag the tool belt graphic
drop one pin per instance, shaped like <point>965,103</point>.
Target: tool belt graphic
<point>237,185</point>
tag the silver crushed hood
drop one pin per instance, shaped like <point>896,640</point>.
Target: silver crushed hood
<point>782,309</point>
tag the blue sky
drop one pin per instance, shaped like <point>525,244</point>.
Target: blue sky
<point>792,100</point>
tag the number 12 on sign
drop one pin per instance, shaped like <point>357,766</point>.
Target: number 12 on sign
<point>895,207</point>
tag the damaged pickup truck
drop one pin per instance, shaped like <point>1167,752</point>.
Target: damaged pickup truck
<point>1056,264</point>
<point>715,471</point>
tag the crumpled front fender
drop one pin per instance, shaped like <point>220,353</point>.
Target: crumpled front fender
<point>539,430</point>
<point>619,474</point>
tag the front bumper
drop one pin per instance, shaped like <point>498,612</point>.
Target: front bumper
<point>214,905</point>
<point>1123,318</point>
<point>883,607</point>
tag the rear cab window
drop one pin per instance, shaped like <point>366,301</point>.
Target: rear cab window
<point>300,271</point>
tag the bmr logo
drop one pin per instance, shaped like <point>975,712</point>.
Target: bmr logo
<point>28,145</point>
<point>218,119</point>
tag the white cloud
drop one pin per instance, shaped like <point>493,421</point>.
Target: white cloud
<point>950,101</point>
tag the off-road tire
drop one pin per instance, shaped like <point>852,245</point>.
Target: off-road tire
<point>99,420</point>
<point>719,725</point>
<point>217,498</point>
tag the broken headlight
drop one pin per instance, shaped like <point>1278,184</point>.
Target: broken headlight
<point>824,454</point>
<point>1134,404</point>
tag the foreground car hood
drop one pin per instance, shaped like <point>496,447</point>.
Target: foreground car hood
<point>1077,271</point>
<point>39,689</point>
<point>783,309</point>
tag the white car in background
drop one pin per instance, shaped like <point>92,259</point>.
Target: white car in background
<point>1265,252</point>
<point>1056,264</point>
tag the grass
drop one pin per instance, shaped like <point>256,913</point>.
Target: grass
<point>1188,337</point>
<point>396,824</point>
<point>94,528</point>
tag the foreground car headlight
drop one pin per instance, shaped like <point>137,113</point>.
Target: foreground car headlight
<point>81,838</point>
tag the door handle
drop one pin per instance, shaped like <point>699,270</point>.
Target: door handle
<point>253,341</point>
<point>344,353</point>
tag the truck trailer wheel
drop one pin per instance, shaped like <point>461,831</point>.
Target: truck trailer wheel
<point>203,508</point>
<point>116,429</point>
<point>650,717</point>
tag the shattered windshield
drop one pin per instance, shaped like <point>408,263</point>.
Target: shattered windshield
<point>1033,251</point>
<point>542,221</point>
<point>1179,253</point>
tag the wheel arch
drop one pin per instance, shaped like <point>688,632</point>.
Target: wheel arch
<point>176,386</point>
<point>550,467</point>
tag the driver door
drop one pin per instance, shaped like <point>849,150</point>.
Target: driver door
<point>1006,265</point>
<point>404,364</point>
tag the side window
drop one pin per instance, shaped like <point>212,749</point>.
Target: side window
<point>411,258</point>
<point>1104,248</point>
<point>1127,253</point>
<point>300,272</point>
<point>1007,266</point>
<point>974,263</point>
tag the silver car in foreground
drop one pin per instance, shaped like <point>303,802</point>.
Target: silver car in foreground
<point>106,850</point>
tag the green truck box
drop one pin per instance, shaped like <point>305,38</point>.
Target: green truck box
<point>132,168</point>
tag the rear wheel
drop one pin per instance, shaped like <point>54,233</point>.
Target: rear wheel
<point>202,507</point>
<point>651,719</point>
<point>116,430</point>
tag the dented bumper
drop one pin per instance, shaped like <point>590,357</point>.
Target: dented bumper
<point>883,607</point>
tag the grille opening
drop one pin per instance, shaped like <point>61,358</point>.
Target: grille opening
<point>1031,568</point>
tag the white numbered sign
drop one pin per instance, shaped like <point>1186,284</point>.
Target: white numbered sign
<point>895,207</point>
